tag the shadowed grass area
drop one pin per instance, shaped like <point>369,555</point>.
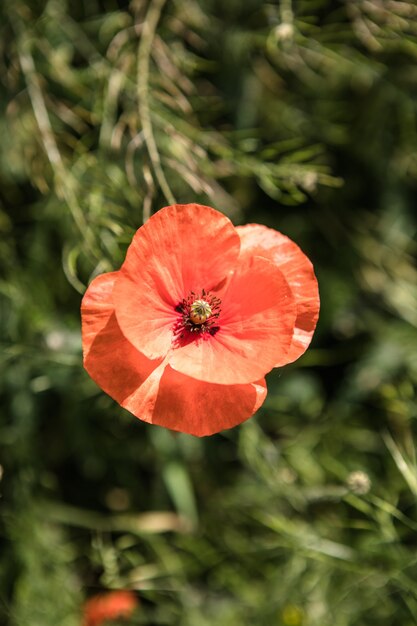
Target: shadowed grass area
<point>298,115</point>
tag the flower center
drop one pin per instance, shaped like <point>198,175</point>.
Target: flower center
<point>200,311</point>
<point>199,314</point>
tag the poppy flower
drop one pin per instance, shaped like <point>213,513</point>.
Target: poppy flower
<point>110,605</point>
<point>184,333</point>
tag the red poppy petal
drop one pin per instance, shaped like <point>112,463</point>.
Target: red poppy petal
<point>149,389</point>
<point>109,358</point>
<point>96,307</point>
<point>255,329</point>
<point>181,248</point>
<point>200,408</point>
<point>299,273</point>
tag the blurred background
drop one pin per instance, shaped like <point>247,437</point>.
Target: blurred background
<point>300,115</point>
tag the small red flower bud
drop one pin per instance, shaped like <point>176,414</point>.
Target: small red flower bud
<point>107,606</point>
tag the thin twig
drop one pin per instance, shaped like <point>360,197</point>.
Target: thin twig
<point>48,138</point>
<point>144,53</point>
<point>64,184</point>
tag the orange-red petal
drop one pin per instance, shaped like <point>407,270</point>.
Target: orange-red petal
<point>150,389</point>
<point>96,308</point>
<point>110,360</point>
<point>299,273</point>
<point>200,408</point>
<point>255,329</point>
<point>182,248</point>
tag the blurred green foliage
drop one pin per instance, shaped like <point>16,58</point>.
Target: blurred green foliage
<point>300,115</point>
